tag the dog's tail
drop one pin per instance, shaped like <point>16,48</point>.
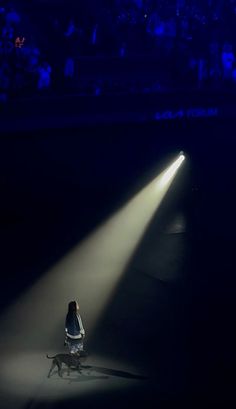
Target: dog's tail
<point>50,357</point>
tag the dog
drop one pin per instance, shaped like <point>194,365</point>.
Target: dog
<point>71,361</point>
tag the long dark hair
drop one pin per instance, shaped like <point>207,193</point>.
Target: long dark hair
<point>72,323</point>
<point>72,307</point>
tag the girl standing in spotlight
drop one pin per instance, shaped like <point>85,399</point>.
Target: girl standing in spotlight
<point>74,329</point>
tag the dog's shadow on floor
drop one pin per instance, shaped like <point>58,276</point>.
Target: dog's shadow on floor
<point>112,372</point>
<point>88,370</point>
<point>82,377</point>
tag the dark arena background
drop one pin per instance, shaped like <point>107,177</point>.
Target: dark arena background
<point>117,177</point>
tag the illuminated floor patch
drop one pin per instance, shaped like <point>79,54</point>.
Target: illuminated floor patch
<point>25,375</point>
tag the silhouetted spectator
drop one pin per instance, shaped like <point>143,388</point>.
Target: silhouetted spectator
<point>44,76</point>
<point>12,17</point>
<point>227,61</point>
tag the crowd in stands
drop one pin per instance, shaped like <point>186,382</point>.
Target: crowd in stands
<point>195,42</point>
<point>21,65</point>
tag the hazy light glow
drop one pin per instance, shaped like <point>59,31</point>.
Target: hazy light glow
<point>89,274</point>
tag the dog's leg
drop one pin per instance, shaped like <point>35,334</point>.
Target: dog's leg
<point>52,367</point>
<point>59,365</point>
<point>78,367</point>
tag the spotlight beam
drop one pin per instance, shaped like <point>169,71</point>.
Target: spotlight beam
<point>89,273</point>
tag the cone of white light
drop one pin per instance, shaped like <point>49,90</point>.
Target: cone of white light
<point>89,273</point>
